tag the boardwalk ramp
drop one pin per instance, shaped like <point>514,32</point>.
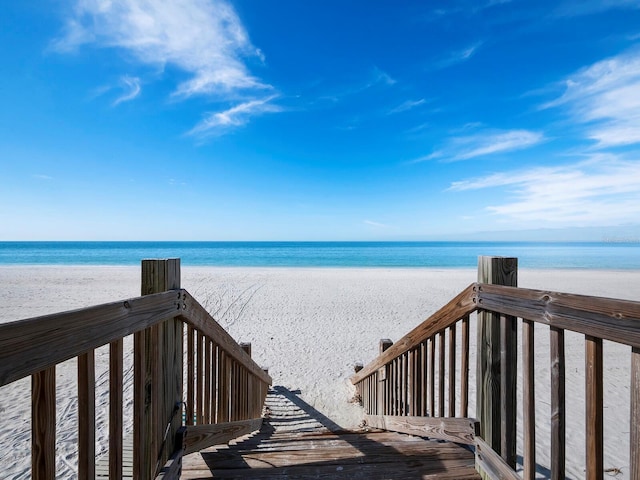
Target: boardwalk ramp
<point>297,441</point>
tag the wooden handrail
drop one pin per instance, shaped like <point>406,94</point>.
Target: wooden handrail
<point>196,315</point>
<point>605,318</point>
<point>463,304</point>
<point>34,344</point>
<point>410,364</point>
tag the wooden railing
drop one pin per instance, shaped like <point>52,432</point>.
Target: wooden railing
<point>225,388</point>
<point>399,393</point>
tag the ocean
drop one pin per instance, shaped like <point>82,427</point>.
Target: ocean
<point>597,255</point>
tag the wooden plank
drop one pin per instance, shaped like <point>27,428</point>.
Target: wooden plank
<point>206,415</point>
<point>200,339</point>
<point>606,318</point>
<point>459,430</point>
<point>43,424</point>
<point>634,424</point>
<point>528,400</point>
<point>196,315</point>
<point>31,345</point>
<point>594,413</point>
<point>441,373</point>
<point>491,463</point>
<point>86,415</point>
<point>496,271</point>
<point>508,379</point>
<point>199,437</point>
<point>461,305</point>
<point>452,371</point>
<point>558,407</point>
<point>142,414</point>
<point>115,409</point>
<point>432,376</point>
<point>191,394</point>
<point>464,369</point>
<point>172,470</point>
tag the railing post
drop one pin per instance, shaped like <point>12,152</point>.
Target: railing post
<point>497,353</point>
<point>159,364</point>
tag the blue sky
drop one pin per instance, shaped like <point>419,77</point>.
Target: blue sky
<point>319,120</point>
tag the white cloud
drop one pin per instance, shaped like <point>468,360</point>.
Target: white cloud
<point>602,190</point>
<point>42,177</point>
<point>408,105</point>
<point>589,7</point>
<point>217,123</point>
<point>459,56</point>
<point>605,97</point>
<point>203,38</point>
<point>131,89</point>
<point>376,224</point>
<point>483,144</point>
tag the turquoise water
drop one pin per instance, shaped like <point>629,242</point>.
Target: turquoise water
<point>325,254</point>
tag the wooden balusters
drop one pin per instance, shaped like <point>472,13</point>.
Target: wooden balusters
<point>87,415</point>
<point>558,407</point>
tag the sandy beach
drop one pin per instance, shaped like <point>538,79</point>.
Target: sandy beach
<point>309,326</point>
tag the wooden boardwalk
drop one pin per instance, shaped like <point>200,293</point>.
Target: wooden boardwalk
<point>296,441</point>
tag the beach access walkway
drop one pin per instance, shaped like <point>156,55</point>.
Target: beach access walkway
<point>297,441</point>
<point>203,408</point>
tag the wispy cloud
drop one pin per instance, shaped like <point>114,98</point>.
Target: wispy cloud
<point>376,224</point>
<point>375,78</point>
<point>605,97</point>
<point>603,190</point>
<point>590,7</point>
<point>458,56</point>
<point>217,123</point>
<point>484,144</point>
<point>42,177</point>
<point>408,105</point>
<point>131,89</point>
<point>204,39</point>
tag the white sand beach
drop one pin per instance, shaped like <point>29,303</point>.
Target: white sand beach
<point>309,326</point>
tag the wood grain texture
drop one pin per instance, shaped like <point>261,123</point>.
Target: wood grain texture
<point>594,403</point>
<point>558,406</point>
<point>452,371</point>
<point>459,430</point>
<point>508,379</point>
<point>115,409</point>
<point>87,415</point>
<point>489,462</point>
<point>495,271</point>
<point>606,318</point>
<point>634,419</point>
<point>196,315</point>
<point>28,346</point>
<point>461,305</point>
<point>43,424</point>
<point>464,369</point>
<point>199,437</point>
<point>528,400</point>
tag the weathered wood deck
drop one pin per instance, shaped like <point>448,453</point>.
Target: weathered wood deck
<point>296,441</point>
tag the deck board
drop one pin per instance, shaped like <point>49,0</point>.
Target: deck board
<point>296,441</point>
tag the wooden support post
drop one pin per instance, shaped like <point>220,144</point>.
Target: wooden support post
<point>43,424</point>
<point>163,364</point>
<point>246,346</point>
<point>634,454</point>
<point>87,415</point>
<point>115,408</point>
<point>493,385</point>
